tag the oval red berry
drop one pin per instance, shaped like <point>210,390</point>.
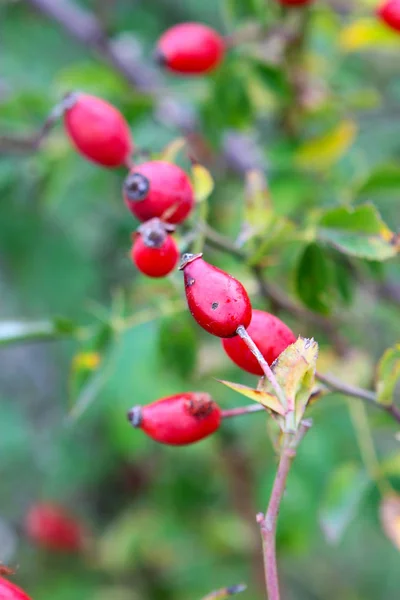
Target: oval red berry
<point>98,131</point>
<point>295,2</point>
<point>389,12</point>
<point>155,261</point>
<point>159,189</point>
<point>53,528</point>
<point>9,591</point>
<point>178,420</point>
<point>271,336</point>
<point>190,48</point>
<point>218,302</point>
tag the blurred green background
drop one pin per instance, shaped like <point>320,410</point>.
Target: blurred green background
<point>175,523</point>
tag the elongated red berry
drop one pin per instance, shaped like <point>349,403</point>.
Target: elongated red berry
<point>295,2</point>
<point>9,591</point>
<point>271,336</point>
<point>190,48</point>
<point>154,250</point>
<point>218,302</point>
<point>159,189</point>
<point>178,420</point>
<point>389,12</point>
<point>53,528</point>
<point>97,130</point>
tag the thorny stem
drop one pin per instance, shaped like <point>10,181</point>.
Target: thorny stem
<point>269,374</point>
<point>268,522</point>
<point>355,392</point>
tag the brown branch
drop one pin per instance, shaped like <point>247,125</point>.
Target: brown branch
<point>84,27</point>
<point>355,392</point>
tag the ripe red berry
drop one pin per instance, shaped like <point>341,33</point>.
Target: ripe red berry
<point>97,130</point>
<point>53,528</point>
<point>218,302</point>
<point>295,2</point>
<point>271,336</point>
<point>9,591</point>
<point>178,420</point>
<point>190,48</point>
<point>159,189</point>
<point>389,12</point>
<point>154,251</point>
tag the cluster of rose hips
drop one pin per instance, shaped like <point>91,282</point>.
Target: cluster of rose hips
<point>160,195</point>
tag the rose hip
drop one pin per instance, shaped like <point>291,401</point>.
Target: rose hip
<point>159,189</point>
<point>97,130</point>
<point>190,49</point>
<point>218,302</point>
<point>270,335</point>
<point>178,420</point>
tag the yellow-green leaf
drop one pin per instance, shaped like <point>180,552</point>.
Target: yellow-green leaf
<point>390,518</point>
<point>172,149</point>
<point>258,200</point>
<point>86,361</point>
<point>295,371</point>
<point>262,397</point>
<point>367,33</point>
<point>388,373</point>
<point>325,150</point>
<point>203,183</point>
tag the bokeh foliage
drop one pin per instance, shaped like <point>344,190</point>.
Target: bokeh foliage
<point>176,523</point>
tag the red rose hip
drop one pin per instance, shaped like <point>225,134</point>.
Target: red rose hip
<point>269,334</point>
<point>9,591</point>
<point>53,528</point>
<point>159,189</point>
<point>218,302</point>
<point>154,251</point>
<point>190,48</point>
<point>178,420</point>
<point>389,12</point>
<point>295,2</point>
<point>97,130</point>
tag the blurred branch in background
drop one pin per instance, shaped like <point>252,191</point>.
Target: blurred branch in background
<point>89,30</point>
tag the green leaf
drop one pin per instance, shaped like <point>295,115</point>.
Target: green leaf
<point>358,232</point>
<point>263,229</point>
<point>384,180</point>
<point>203,183</point>
<point>294,370</point>
<point>387,376</point>
<point>346,487</point>
<point>272,77</point>
<point>314,279</point>
<point>367,33</point>
<point>322,152</point>
<point>261,396</point>
<point>177,345</point>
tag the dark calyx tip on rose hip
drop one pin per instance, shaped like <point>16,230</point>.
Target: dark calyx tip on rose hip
<point>135,416</point>
<point>188,258</point>
<point>154,233</point>
<point>136,187</point>
<point>159,57</point>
